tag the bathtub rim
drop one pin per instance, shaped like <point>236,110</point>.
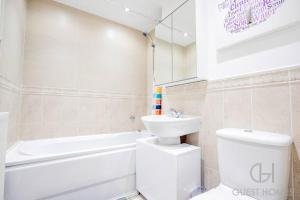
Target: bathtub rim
<point>15,158</point>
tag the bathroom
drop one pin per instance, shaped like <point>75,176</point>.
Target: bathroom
<point>149,99</point>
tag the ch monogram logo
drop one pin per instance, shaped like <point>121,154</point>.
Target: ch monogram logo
<point>259,176</point>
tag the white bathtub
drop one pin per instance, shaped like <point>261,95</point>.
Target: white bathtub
<point>98,167</point>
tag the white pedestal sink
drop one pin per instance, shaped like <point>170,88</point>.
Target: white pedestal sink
<point>169,129</point>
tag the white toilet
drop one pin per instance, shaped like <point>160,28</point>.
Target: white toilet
<point>254,165</point>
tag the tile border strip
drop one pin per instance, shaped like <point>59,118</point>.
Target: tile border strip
<point>33,90</point>
<point>261,79</point>
<point>275,77</point>
<point>8,85</point>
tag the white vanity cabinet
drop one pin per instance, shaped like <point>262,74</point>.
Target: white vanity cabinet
<point>166,172</point>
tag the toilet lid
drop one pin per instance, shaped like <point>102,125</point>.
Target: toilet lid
<point>221,193</point>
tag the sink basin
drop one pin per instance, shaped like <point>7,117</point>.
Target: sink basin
<point>169,129</point>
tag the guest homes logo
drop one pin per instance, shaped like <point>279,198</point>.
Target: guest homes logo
<point>259,176</point>
<point>263,177</point>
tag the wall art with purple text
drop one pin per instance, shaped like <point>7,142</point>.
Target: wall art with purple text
<point>243,14</point>
<point>240,20</point>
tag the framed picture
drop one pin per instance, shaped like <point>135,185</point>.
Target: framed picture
<point>241,20</point>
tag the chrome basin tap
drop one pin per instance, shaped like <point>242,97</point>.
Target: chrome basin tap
<point>174,113</point>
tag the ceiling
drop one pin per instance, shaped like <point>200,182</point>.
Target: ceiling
<point>143,15</point>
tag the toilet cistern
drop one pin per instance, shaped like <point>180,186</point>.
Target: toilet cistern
<point>253,165</point>
<point>169,129</point>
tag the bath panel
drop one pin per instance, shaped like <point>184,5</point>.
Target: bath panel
<point>84,173</point>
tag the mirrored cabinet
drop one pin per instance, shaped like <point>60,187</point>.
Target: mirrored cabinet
<point>176,47</point>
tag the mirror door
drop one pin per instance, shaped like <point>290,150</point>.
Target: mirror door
<point>175,53</point>
<point>163,52</point>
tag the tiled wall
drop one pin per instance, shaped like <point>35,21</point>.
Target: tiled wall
<point>11,63</point>
<point>265,101</point>
<point>50,113</point>
<point>82,74</point>
<point>10,100</point>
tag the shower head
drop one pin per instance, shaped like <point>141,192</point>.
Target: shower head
<point>147,35</point>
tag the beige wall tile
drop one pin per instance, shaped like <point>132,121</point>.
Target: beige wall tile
<point>194,139</point>
<point>150,105</point>
<point>31,117</point>
<point>61,116</point>
<point>93,109</point>
<point>9,102</point>
<point>88,128</point>
<point>295,95</point>
<point>139,110</point>
<point>69,129</point>
<point>12,45</point>
<point>90,52</point>
<point>291,178</point>
<point>211,178</point>
<point>93,115</point>
<point>14,114</point>
<point>215,85</point>
<point>296,173</point>
<point>212,121</point>
<point>119,115</point>
<point>5,103</point>
<point>271,77</point>
<point>50,129</point>
<point>295,89</point>
<point>52,109</point>
<point>70,49</point>
<point>194,103</point>
<point>271,109</point>
<point>11,63</point>
<point>200,86</point>
<point>234,103</point>
<point>52,20</point>
<point>51,70</point>
<point>31,131</point>
<point>51,57</point>
<point>175,90</point>
<point>213,112</point>
<point>295,74</point>
<point>238,82</point>
<point>237,108</point>
<point>32,109</point>
<point>173,101</point>
<point>70,112</point>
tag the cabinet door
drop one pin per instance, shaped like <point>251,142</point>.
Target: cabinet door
<point>184,42</point>
<point>163,52</point>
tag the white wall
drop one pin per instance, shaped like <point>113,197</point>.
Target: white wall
<point>273,51</point>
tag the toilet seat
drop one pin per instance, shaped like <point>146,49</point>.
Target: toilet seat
<point>221,192</point>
